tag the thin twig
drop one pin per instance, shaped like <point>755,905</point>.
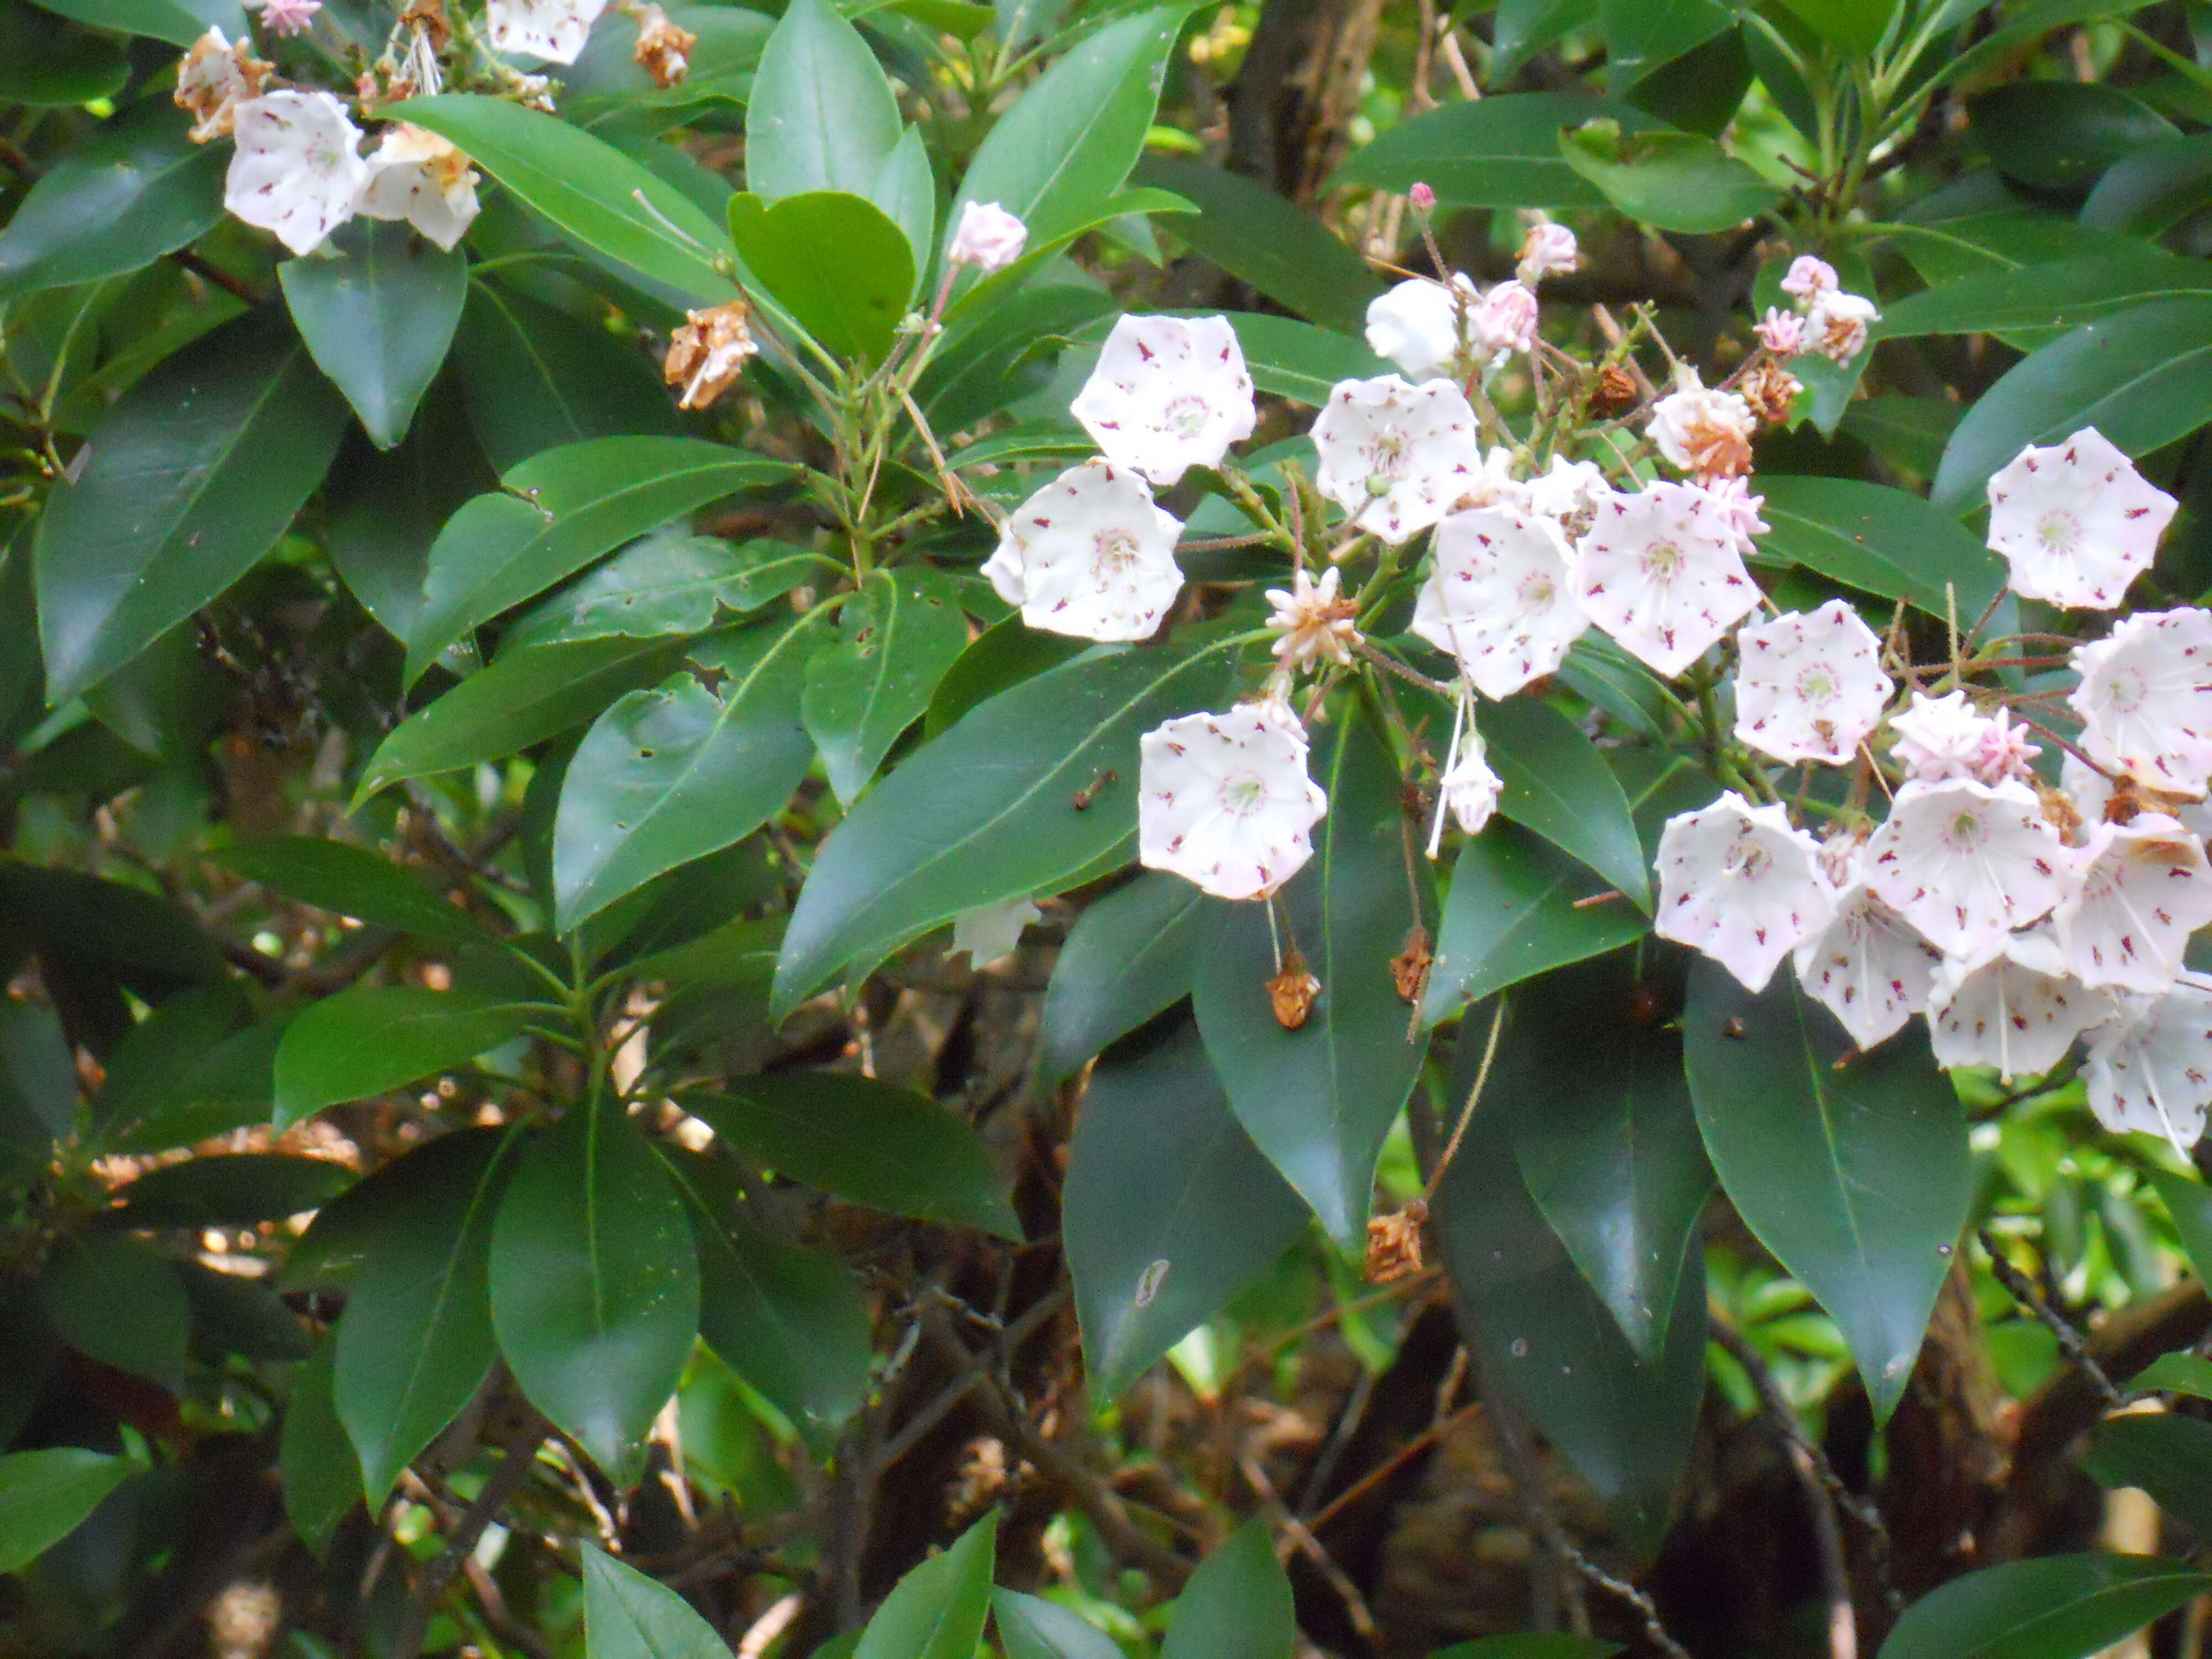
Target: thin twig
<point>1302,1539</point>
<point>1389,1466</point>
<point>207,270</point>
<point>520,1455</point>
<point>2071,1342</point>
<point>1466,1112</point>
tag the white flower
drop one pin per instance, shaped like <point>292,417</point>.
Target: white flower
<point>298,169</point>
<point>1313,620</point>
<point>1497,597</point>
<point>2092,792</point>
<point>287,17</point>
<point>1965,862</point>
<point>1548,250</point>
<point>1396,458</point>
<point>1417,324</point>
<point>1738,883</point>
<point>2140,890</point>
<point>1504,321</point>
<point>212,79</point>
<point>2145,700</point>
<point>990,932</point>
<point>1940,738</point>
<point>2076,522</point>
<point>1470,788</point>
<point>2012,1005</point>
<point>1782,333</point>
<point>1869,967</point>
<point>1569,490</point>
<point>1836,324</point>
<point>1810,686</point>
<point>1089,554</point>
<point>552,29</point>
<point>1701,430</point>
<point>1662,572</point>
<point>1739,509</point>
<point>2150,1069</point>
<point>1224,801</point>
<point>988,237</point>
<point>1168,393</point>
<point>419,177</point>
<point>1810,277</point>
<point>2006,752</point>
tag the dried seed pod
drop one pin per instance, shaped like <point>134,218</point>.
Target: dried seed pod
<point>1409,969</point>
<point>1292,992</point>
<point>1394,1243</point>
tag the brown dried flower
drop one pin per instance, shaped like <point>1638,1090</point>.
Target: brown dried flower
<point>1394,1243</point>
<point>214,78</point>
<point>1616,391</point>
<point>429,16</point>
<point>663,49</point>
<point>1771,389</point>
<point>706,353</point>
<point>1292,992</point>
<point>1409,969</point>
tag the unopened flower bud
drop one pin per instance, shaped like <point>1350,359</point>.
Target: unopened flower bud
<point>1808,278</point>
<point>1422,198</point>
<point>1548,250</point>
<point>1782,333</point>
<point>988,237</point>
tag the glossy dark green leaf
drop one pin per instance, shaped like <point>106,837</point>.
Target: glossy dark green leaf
<point>1854,25</point>
<point>1320,1100</point>
<point>535,378</point>
<point>905,190</point>
<point>2175,1373</point>
<point>83,925</point>
<point>1881,540</point>
<point>668,583</point>
<point>416,1340</point>
<point>990,810</point>
<point>2059,134</point>
<point>314,1458</point>
<point>1005,654</point>
<point>834,261</point>
<point>370,1038</point>
<point>2062,295</point>
<point>211,1091</point>
<point>233,1315</point>
<point>1237,1604</point>
<point>378,306</point>
<point>1557,785</point>
<point>116,1299</point>
<point>1681,181</point>
<point>48,62</point>
<point>349,881</point>
<point>1492,152</point>
<point>2167,1455</point>
<point>2189,1203</point>
<point>1301,361</point>
<point>2153,188</point>
<point>895,641</point>
<point>180,22</point>
<point>1265,240</point>
<point>627,1615</point>
<point>242,1189</point>
<point>45,1495</point>
<point>999,354</point>
<point>1129,956</point>
<point>2142,378</point>
<point>1645,36</point>
<point>1170,1209</point>
<point>594,1282</point>
<point>822,115</point>
<point>589,188</point>
<point>192,476</point>
<point>155,1051</point>
<point>1854,1172</point>
<point>2062,1607</point>
<point>674,773</point>
<point>130,193</point>
<point>937,1611</point>
<point>1030,1627</point>
<point>865,1141</point>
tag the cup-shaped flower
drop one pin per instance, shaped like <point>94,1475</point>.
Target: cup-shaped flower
<point>2140,890</point>
<point>1506,321</point>
<point>1966,862</point>
<point>988,237</point>
<point>1740,883</point>
<point>1704,431</point>
<point>554,30</point>
<point>419,177</point>
<point>2011,1005</point>
<point>1089,554</point>
<point>1497,597</point>
<point>1869,967</point>
<point>2145,700</point>
<point>1418,324</point>
<point>1837,324</point>
<point>1470,788</point>
<point>1568,492</point>
<point>1548,250</point>
<point>1313,620</point>
<point>1168,393</point>
<point>1396,458</point>
<point>2076,522</point>
<point>298,169</point>
<point>2149,1068</point>
<point>1809,684</point>
<point>1223,800</point>
<point>1662,571</point>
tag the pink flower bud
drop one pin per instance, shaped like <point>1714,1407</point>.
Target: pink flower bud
<point>1422,198</point>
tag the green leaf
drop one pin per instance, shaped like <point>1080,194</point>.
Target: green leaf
<point>1856,26</point>
<point>116,1299</point>
<point>864,1141</point>
<point>905,190</point>
<point>1492,152</point>
<point>128,194</point>
<point>1855,1173</point>
<point>1265,240</point>
<point>835,261</point>
<point>370,1038</point>
<point>2062,1606</point>
<point>989,811</point>
<point>2167,1455</point>
<point>350,881</point>
<point>154,1054</point>
<point>996,354</point>
<point>822,115</point>
<point>1298,359</point>
<point>2060,296</point>
<point>378,306</point>
<point>564,509</point>
<point>1319,1101</point>
<point>1007,652</point>
<point>192,476</point>
<point>415,1341</point>
<point>627,1615</point>
<point>1530,1645</point>
<point>529,695</point>
<point>1030,1627</point>
<point>2153,187</point>
<point>45,1496</point>
<point>240,1189</point>
<point>48,62</point>
<point>1681,181</point>
<point>2189,1203</point>
<point>1129,956</point>
<point>1060,153</point>
<point>180,22</point>
<point>674,773</point>
<point>1879,540</point>
<point>314,1458</point>
<point>2142,378</point>
<point>1237,1604</point>
<point>2175,1373</point>
<point>595,1282</point>
<point>1645,36</point>
<point>588,188</point>
<point>665,583</point>
<point>1169,1210</point>
<point>937,1611</point>
<point>535,378</point>
<point>896,641</point>
<point>2058,135</point>
<point>1557,784</point>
